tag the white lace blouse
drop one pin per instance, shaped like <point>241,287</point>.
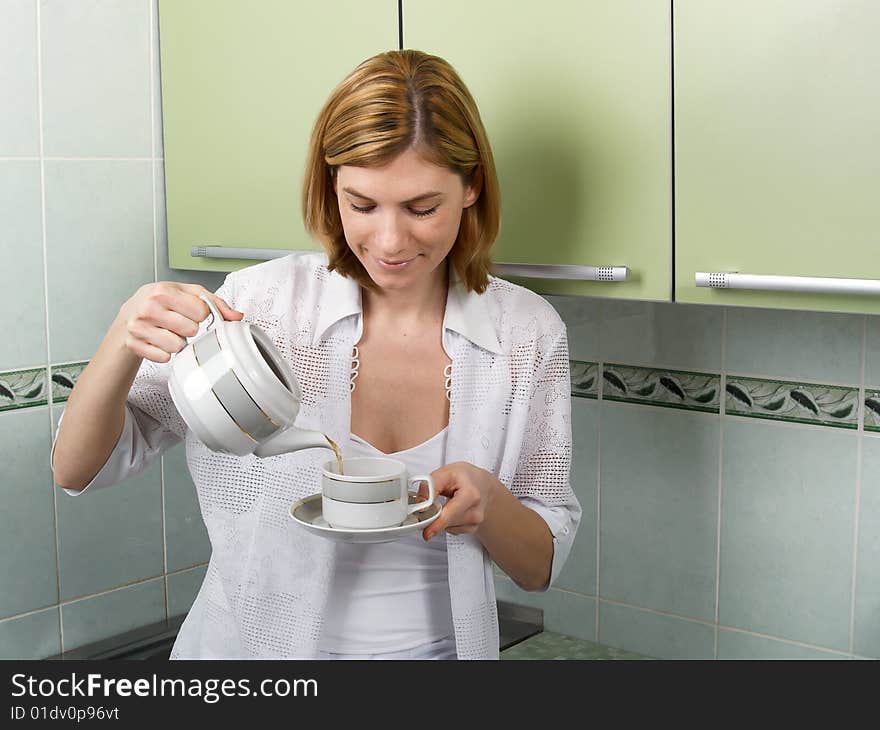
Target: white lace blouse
<point>267,581</point>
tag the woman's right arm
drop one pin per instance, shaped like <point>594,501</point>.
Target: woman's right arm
<point>153,324</point>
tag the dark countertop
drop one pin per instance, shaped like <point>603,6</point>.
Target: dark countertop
<point>548,645</point>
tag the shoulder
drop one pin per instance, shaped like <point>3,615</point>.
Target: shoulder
<point>519,312</point>
<point>299,275</point>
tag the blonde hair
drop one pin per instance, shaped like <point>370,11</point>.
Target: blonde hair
<point>392,102</point>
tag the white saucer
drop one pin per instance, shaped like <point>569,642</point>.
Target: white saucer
<point>307,514</point>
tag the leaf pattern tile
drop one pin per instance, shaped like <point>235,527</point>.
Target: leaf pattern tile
<point>826,405</point>
<point>64,377</point>
<point>666,388</point>
<point>584,379</point>
<point>23,389</point>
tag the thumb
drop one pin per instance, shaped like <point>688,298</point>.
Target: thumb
<point>229,314</point>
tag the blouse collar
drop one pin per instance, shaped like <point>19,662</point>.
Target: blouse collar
<point>467,312</point>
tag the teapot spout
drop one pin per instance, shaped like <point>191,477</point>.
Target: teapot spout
<point>291,439</point>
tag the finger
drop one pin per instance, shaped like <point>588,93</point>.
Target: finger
<point>159,337</point>
<point>146,350</point>
<point>227,312</point>
<point>176,322</point>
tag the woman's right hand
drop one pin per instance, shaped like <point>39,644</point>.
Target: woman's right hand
<point>156,321</point>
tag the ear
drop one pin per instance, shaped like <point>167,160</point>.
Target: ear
<point>473,189</point>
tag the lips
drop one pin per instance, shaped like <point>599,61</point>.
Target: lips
<point>395,265</point>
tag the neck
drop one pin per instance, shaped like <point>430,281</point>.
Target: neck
<point>422,303</point>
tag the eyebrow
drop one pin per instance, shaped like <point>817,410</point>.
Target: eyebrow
<point>416,199</point>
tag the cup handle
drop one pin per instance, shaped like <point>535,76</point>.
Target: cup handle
<point>419,506</point>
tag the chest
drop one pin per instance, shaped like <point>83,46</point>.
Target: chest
<point>400,397</point>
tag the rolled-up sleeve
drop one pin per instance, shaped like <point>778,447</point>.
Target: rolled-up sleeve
<point>142,440</point>
<point>542,480</point>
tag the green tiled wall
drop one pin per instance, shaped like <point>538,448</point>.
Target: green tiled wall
<point>82,226</point>
<point>730,463</point>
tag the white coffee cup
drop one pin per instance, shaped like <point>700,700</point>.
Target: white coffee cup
<point>373,493</point>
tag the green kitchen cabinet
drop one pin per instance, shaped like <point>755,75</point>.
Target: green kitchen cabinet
<point>777,165</point>
<point>242,84</point>
<point>576,99</point>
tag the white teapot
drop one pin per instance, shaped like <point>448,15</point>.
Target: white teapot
<point>237,393</point>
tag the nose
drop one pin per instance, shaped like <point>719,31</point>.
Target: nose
<point>391,235</point>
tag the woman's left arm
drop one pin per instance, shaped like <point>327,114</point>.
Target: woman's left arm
<point>528,526</point>
<point>517,538</point>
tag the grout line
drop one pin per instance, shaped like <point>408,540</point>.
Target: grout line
<point>722,410</point>
<point>80,599</point>
<point>672,240</point>
<point>47,366</point>
<point>735,629</point>
<point>599,399</point>
<point>97,158</point>
<point>858,496</point>
<point>152,41</point>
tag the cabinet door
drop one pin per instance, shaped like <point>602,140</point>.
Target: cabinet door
<point>777,165</point>
<point>242,84</point>
<point>575,97</point>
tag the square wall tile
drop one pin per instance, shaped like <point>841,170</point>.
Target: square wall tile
<point>787,522</point>
<point>739,645</point>
<point>867,608</point>
<point>581,316</point>
<point>211,280</point>
<point>100,617</point>
<point>21,241</point>
<point>653,634</point>
<point>112,536</point>
<point>96,78</point>
<point>27,520</point>
<point>186,538</point>
<point>35,636</point>
<point>183,588</point>
<point>822,346</point>
<point>659,509</point>
<point>680,336</point>
<point>99,241</point>
<point>158,146</point>
<point>579,572</point>
<point>19,123</point>
<point>564,612</point>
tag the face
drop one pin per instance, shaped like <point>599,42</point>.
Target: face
<point>402,219</point>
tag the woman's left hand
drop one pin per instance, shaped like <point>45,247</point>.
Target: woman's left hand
<point>469,491</point>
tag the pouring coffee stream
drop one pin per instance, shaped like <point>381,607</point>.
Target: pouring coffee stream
<point>237,393</point>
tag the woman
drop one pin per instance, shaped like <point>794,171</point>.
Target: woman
<point>458,374</point>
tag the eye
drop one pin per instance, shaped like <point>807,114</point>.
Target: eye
<point>424,213</point>
<point>365,209</point>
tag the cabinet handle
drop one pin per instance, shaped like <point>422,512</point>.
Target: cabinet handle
<point>529,271</point>
<point>811,284</point>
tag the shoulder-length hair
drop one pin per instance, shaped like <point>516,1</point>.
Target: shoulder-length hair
<point>392,102</point>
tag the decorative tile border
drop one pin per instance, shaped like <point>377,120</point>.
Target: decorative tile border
<point>666,388</point>
<point>64,377</point>
<point>779,400</point>
<point>872,409</point>
<point>584,379</point>
<point>23,389</point>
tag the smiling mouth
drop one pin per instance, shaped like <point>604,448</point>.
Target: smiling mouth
<point>396,264</point>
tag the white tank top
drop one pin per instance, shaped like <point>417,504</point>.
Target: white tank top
<point>390,596</point>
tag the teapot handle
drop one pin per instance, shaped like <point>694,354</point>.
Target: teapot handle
<point>216,317</point>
